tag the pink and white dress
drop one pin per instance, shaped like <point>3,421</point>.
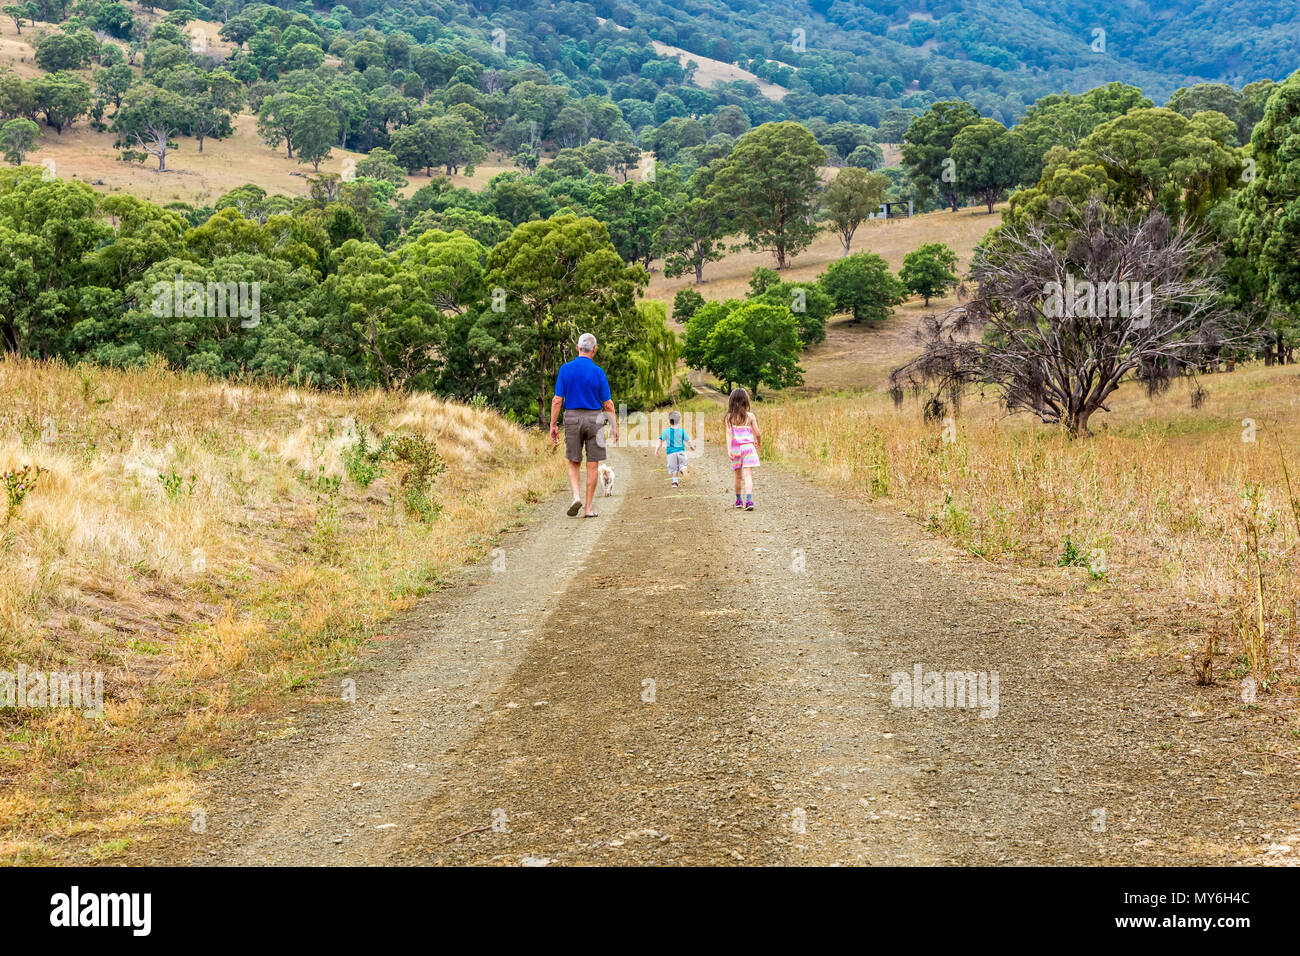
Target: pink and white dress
<point>742,449</point>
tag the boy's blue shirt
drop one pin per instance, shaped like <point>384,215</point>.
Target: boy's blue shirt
<point>675,439</point>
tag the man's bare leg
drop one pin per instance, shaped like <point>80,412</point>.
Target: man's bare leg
<point>575,484</point>
<point>593,477</point>
<point>575,480</point>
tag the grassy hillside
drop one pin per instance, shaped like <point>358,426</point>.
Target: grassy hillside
<point>199,178</point>
<point>853,356</point>
<point>710,72</point>
<point>204,546</point>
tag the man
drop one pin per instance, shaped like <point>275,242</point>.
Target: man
<point>582,390</point>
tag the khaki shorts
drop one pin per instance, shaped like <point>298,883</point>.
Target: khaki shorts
<point>584,427</point>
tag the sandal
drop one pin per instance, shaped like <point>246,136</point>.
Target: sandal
<point>574,509</point>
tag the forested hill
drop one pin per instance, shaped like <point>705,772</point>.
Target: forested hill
<point>859,58</point>
<point>609,137</point>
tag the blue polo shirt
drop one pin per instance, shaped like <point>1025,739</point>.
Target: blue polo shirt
<point>582,384</point>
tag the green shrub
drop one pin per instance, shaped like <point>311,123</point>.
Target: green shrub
<point>18,485</point>
<point>424,465</point>
<point>1071,556</point>
<point>174,484</point>
<point>363,463</point>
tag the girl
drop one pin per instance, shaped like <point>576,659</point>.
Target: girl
<point>743,442</point>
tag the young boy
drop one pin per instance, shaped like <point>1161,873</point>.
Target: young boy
<point>676,441</point>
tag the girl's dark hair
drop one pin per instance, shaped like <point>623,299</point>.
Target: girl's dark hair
<point>738,407</point>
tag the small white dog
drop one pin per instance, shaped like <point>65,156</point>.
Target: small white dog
<point>606,479</point>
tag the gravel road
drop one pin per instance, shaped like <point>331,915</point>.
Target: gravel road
<point>678,682</point>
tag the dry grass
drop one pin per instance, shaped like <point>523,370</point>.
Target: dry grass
<point>1159,508</point>
<point>16,51</point>
<point>710,72</point>
<point>201,178</point>
<point>192,177</point>
<point>265,568</point>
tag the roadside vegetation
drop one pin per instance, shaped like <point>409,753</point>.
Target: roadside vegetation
<point>212,549</point>
<point>1193,514</point>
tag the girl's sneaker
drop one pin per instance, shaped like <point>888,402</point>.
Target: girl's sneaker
<point>749,504</point>
<point>739,503</point>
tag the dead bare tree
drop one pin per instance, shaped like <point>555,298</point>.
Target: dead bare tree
<point>1060,312</point>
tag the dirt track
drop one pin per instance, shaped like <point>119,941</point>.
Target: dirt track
<point>511,721</point>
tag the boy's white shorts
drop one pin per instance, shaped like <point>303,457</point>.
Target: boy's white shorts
<point>676,462</point>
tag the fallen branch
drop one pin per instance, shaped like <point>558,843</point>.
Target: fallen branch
<point>1274,753</point>
<point>451,839</point>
